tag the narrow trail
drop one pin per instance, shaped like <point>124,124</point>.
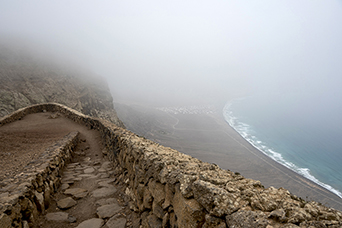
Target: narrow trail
<point>92,190</point>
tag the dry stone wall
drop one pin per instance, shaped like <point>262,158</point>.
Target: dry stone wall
<point>171,189</point>
<point>27,194</point>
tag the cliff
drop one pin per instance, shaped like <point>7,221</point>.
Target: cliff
<point>26,79</point>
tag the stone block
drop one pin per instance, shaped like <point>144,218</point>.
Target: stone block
<point>147,202</point>
<point>5,221</point>
<point>157,210</point>
<point>157,191</point>
<point>39,200</point>
<point>217,201</point>
<point>188,211</point>
<point>168,196</point>
<point>247,219</point>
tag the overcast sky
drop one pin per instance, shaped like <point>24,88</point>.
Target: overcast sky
<point>191,50</point>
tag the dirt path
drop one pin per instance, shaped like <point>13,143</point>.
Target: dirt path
<point>92,190</point>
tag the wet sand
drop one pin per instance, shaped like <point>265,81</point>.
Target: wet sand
<point>209,138</point>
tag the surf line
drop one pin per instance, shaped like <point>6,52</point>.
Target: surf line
<point>260,157</point>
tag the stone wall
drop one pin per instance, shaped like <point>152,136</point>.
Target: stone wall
<point>27,194</point>
<point>171,189</point>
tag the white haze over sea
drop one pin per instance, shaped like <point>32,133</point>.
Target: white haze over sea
<point>301,137</point>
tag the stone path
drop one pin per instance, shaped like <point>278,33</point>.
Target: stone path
<point>91,194</point>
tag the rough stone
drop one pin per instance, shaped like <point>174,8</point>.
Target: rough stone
<point>57,216</point>
<point>5,221</point>
<point>157,209</point>
<point>65,186</point>
<point>116,222</point>
<point>211,221</point>
<point>89,170</point>
<point>188,211</point>
<point>66,203</point>
<point>91,223</point>
<point>157,191</point>
<point>247,219</point>
<point>106,201</point>
<point>216,200</point>
<point>153,221</point>
<point>103,192</point>
<point>77,193</point>
<point>107,211</point>
<point>39,199</point>
<point>147,202</point>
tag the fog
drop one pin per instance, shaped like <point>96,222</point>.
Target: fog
<point>175,52</point>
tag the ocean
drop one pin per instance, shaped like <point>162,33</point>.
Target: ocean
<point>300,131</point>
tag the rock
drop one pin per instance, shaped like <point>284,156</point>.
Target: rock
<point>278,215</point>
<point>247,219</point>
<point>147,201</point>
<point>188,211</point>
<point>39,200</point>
<point>91,223</point>
<point>103,192</point>
<point>25,224</point>
<point>64,186</point>
<point>107,165</point>
<point>298,215</point>
<point>106,201</point>
<point>116,222</point>
<point>66,203</point>
<point>5,221</point>
<point>157,209</point>
<point>216,200</point>
<point>153,221</point>
<point>211,221</point>
<point>57,217</point>
<point>89,170</point>
<point>157,191</point>
<point>76,192</point>
<point>107,211</point>
<point>106,183</point>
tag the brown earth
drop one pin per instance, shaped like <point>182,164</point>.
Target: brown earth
<point>23,141</point>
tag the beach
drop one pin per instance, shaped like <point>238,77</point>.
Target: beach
<point>208,137</point>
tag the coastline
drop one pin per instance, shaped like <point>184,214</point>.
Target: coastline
<point>210,138</point>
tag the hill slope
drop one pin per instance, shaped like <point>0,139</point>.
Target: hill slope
<point>27,78</point>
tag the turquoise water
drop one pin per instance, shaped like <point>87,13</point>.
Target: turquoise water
<point>300,131</point>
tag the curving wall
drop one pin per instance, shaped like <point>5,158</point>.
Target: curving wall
<point>171,189</point>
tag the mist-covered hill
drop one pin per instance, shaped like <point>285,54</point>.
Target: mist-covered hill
<point>29,76</point>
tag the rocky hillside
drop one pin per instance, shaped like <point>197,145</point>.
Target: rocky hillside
<point>27,78</point>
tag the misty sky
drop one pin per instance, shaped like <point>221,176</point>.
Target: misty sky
<point>191,50</point>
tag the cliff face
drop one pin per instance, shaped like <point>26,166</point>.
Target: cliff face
<point>26,79</point>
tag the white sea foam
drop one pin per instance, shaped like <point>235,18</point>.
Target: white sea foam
<point>246,132</point>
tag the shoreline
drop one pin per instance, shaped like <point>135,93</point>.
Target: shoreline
<point>284,162</point>
<point>210,138</point>
<point>303,180</point>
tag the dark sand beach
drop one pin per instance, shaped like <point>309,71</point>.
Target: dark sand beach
<point>209,138</point>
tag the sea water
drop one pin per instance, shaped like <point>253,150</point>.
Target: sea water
<point>300,131</point>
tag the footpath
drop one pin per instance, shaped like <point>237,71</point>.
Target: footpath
<point>92,189</point>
